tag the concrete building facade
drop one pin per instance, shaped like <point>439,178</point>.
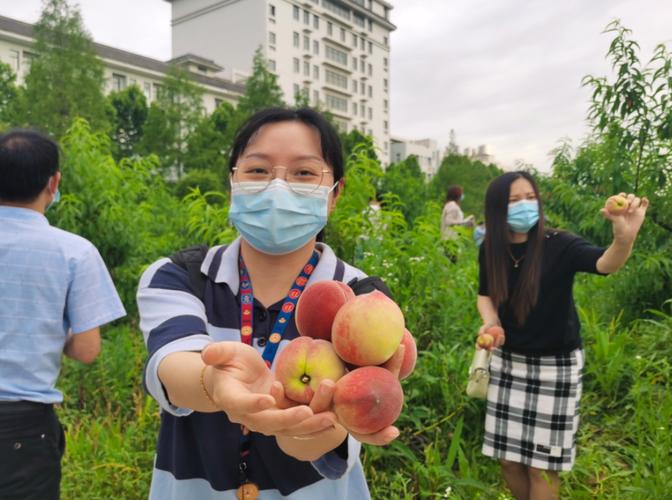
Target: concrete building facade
<point>426,150</point>
<point>122,68</point>
<point>335,51</point>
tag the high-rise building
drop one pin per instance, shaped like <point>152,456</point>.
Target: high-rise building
<point>337,52</point>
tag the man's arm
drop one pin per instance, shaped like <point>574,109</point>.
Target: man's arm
<point>83,347</point>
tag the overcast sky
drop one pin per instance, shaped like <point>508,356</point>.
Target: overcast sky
<point>505,73</point>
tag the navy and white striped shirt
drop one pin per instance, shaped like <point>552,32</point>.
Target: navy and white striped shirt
<point>197,453</point>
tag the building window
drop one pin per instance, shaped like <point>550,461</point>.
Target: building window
<point>306,42</point>
<point>118,81</point>
<point>354,63</point>
<point>28,58</point>
<point>337,103</point>
<point>271,38</point>
<point>343,35</point>
<point>370,91</point>
<point>158,88</point>
<point>370,69</point>
<point>354,86</point>
<point>296,39</point>
<point>336,9</point>
<point>316,72</point>
<point>385,41</point>
<point>306,17</point>
<point>385,84</point>
<point>271,10</point>
<point>330,29</point>
<point>385,104</point>
<point>354,108</point>
<point>271,65</point>
<point>385,145</point>
<point>385,63</point>
<point>306,68</point>
<point>354,40</point>
<point>360,20</point>
<point>370,25</point>
<point>316,96</point>
<point>15,58</point>
<point>370,113</point>
<point>362,87</point>
<point>296,89</point>
<point>385,126</point>
<point>362,110</point>
<point>316,47</point>
<point>336,55</point>
<point>370,47</point>
<point>362,65</point>
<point>147,88</point>
<point>316,22</point>
<point>297,13</point>
<point>296,65</point>
<point>337,79</point>
<point>362,44</point>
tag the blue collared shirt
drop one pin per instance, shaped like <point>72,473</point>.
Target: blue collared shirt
<point>51,282</point>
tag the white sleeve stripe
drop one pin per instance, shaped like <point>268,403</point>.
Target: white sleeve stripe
<point>158,305</point>
<point>149,273</point>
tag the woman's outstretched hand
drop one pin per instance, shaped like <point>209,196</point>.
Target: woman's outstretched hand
<point>626,212</point>
<point>240,385</point>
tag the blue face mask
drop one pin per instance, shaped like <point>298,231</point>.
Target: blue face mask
<point>57,198</point>
<point>523,215</point>
<point>279,219</point>
<point>479,235</point>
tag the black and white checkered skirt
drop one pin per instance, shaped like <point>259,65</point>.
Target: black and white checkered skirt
<point>533,409</point>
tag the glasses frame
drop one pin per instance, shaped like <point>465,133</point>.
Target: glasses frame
<point>273,177</point>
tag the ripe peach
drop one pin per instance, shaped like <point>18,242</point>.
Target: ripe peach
<point>318,306</point>
<point>616,205</point>
<point>410,356</point>
<point>367,330</point>
<point>368,399</point>
<point>485,341</point>
<point>303,364</point>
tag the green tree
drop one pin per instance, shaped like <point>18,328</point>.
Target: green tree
<point>8,95</point>
<point>472,175</point>
<point>406,180</point>
<point>261,88</point>
<point>208,143</point>
<point>172,118</point>
<point>66,78</point>
<point>355,138</point>
<point>130,115</point>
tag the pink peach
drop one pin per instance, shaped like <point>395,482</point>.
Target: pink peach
<point>410,356</point>
<point>303,364</point>
<point>368,399</point>
<point>368,329</point>
<point>318,306</point>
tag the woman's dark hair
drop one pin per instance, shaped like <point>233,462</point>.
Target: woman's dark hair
<point>497,241</point>
<point>454,193</point>
<point>27,160</point>
<point>332,151</point>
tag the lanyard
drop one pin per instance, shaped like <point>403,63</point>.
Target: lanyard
<point>247,489</point>
<point>247,306</point>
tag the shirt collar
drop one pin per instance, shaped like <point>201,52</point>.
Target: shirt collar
<point>23,214</point>
<point>227,267</point>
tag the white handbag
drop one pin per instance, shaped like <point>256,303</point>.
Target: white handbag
<point>479,375</point>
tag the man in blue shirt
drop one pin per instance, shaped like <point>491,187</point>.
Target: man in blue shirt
<point>55,293</point>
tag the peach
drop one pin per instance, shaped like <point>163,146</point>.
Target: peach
<point>303,364</point>
<point>410,356</point>
<point>617,205</point>
<point>318,306</point>
<point>368,329</point>
<point>485,341</point>
<point>368,399</point>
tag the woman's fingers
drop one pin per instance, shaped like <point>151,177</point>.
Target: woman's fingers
<point>276,421</point>
<point>278,393</point>
<point>315,424</point>
<point>380,438</point>
<point>238,399</point>
<point>321,401</point>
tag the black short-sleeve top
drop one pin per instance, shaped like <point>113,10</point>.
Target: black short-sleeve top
<point>553,324</point>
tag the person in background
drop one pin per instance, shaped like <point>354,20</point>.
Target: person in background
<point>525,285</point>
<point>226,431</point>
<point>55,294</point>
<point>452,214</point>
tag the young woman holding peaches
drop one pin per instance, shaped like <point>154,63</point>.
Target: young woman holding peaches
<point>525,286</point>
<point>227,430</point>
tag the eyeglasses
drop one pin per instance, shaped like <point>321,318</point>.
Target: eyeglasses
<point>305,179</point>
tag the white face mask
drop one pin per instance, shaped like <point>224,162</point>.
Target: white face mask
<point>279,219</point>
